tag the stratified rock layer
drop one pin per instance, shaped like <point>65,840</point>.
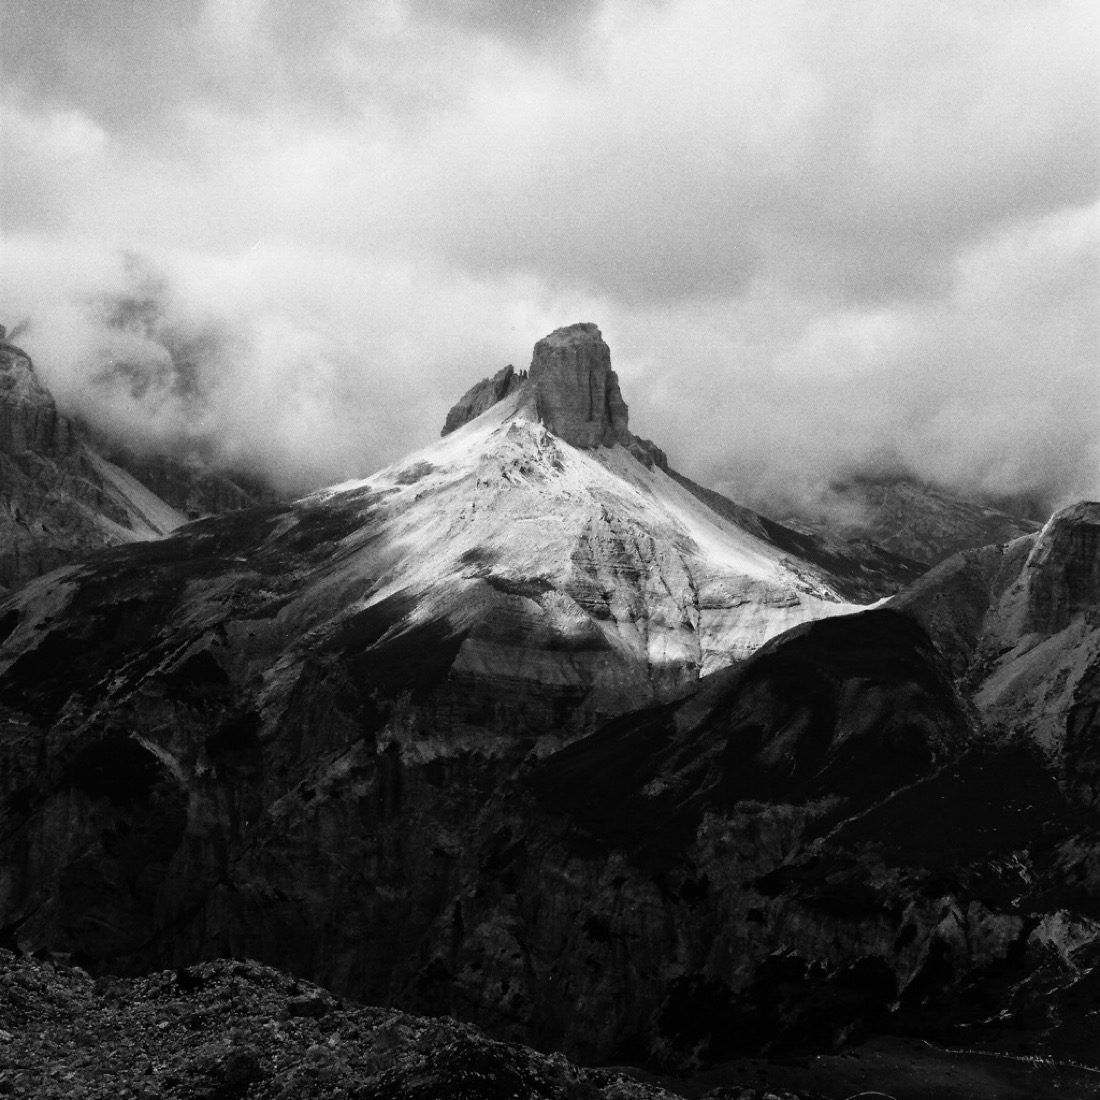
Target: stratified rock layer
<point>330,734</point>
<point>575,394</point>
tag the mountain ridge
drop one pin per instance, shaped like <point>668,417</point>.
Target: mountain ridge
<point>60,498</point>
<point>552,739</point>
<point>909,518</point>
<point>571,388</point>
<point>66,491</point>
<point>487,599</point>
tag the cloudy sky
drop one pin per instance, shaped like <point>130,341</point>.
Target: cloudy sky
<point>821,237</point>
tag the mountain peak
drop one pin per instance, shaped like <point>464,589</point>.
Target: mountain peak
<point>577,393</point>
<point>572,390</point>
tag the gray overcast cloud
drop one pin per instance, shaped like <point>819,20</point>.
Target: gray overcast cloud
<point>820,237</point>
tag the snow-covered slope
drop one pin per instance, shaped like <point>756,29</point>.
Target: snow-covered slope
<point>327,732</point>
<point>579,581</point>
<point>502,523</point>
<point>146,515</point>
<point>314,701</point>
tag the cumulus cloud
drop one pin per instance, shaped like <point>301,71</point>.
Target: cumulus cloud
<point>992,389</point>
<point>820,239</point>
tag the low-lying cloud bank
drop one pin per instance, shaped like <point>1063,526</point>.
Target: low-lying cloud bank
<point>821,241</point>
<point>302,369</point>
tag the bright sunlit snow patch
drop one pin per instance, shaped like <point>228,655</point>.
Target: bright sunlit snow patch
<point>501,519</point>
<point>149,516</point>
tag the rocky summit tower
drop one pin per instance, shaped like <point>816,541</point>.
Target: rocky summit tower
<point>576,392</point>
<point>570,388</point>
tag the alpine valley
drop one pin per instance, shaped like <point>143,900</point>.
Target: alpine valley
<point>531,731</point>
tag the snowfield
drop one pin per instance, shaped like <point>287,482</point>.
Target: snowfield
<point>594,538</point>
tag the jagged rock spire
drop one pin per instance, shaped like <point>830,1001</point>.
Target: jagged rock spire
<point>484,395</point>
<point>571,388</point>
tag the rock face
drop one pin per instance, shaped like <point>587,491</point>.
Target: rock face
<point>29,420</point>
<point>1021,626</point>
<point>576,392</point>
<point>571,389</point>
<point>817,843</point>
<point>483,396</point>
<point>65,493</point>
<point>691,846</point>
<point>59,500</point>
<point>1065,570</point>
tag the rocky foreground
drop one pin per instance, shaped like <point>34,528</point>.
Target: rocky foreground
<point>236,1029</point>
